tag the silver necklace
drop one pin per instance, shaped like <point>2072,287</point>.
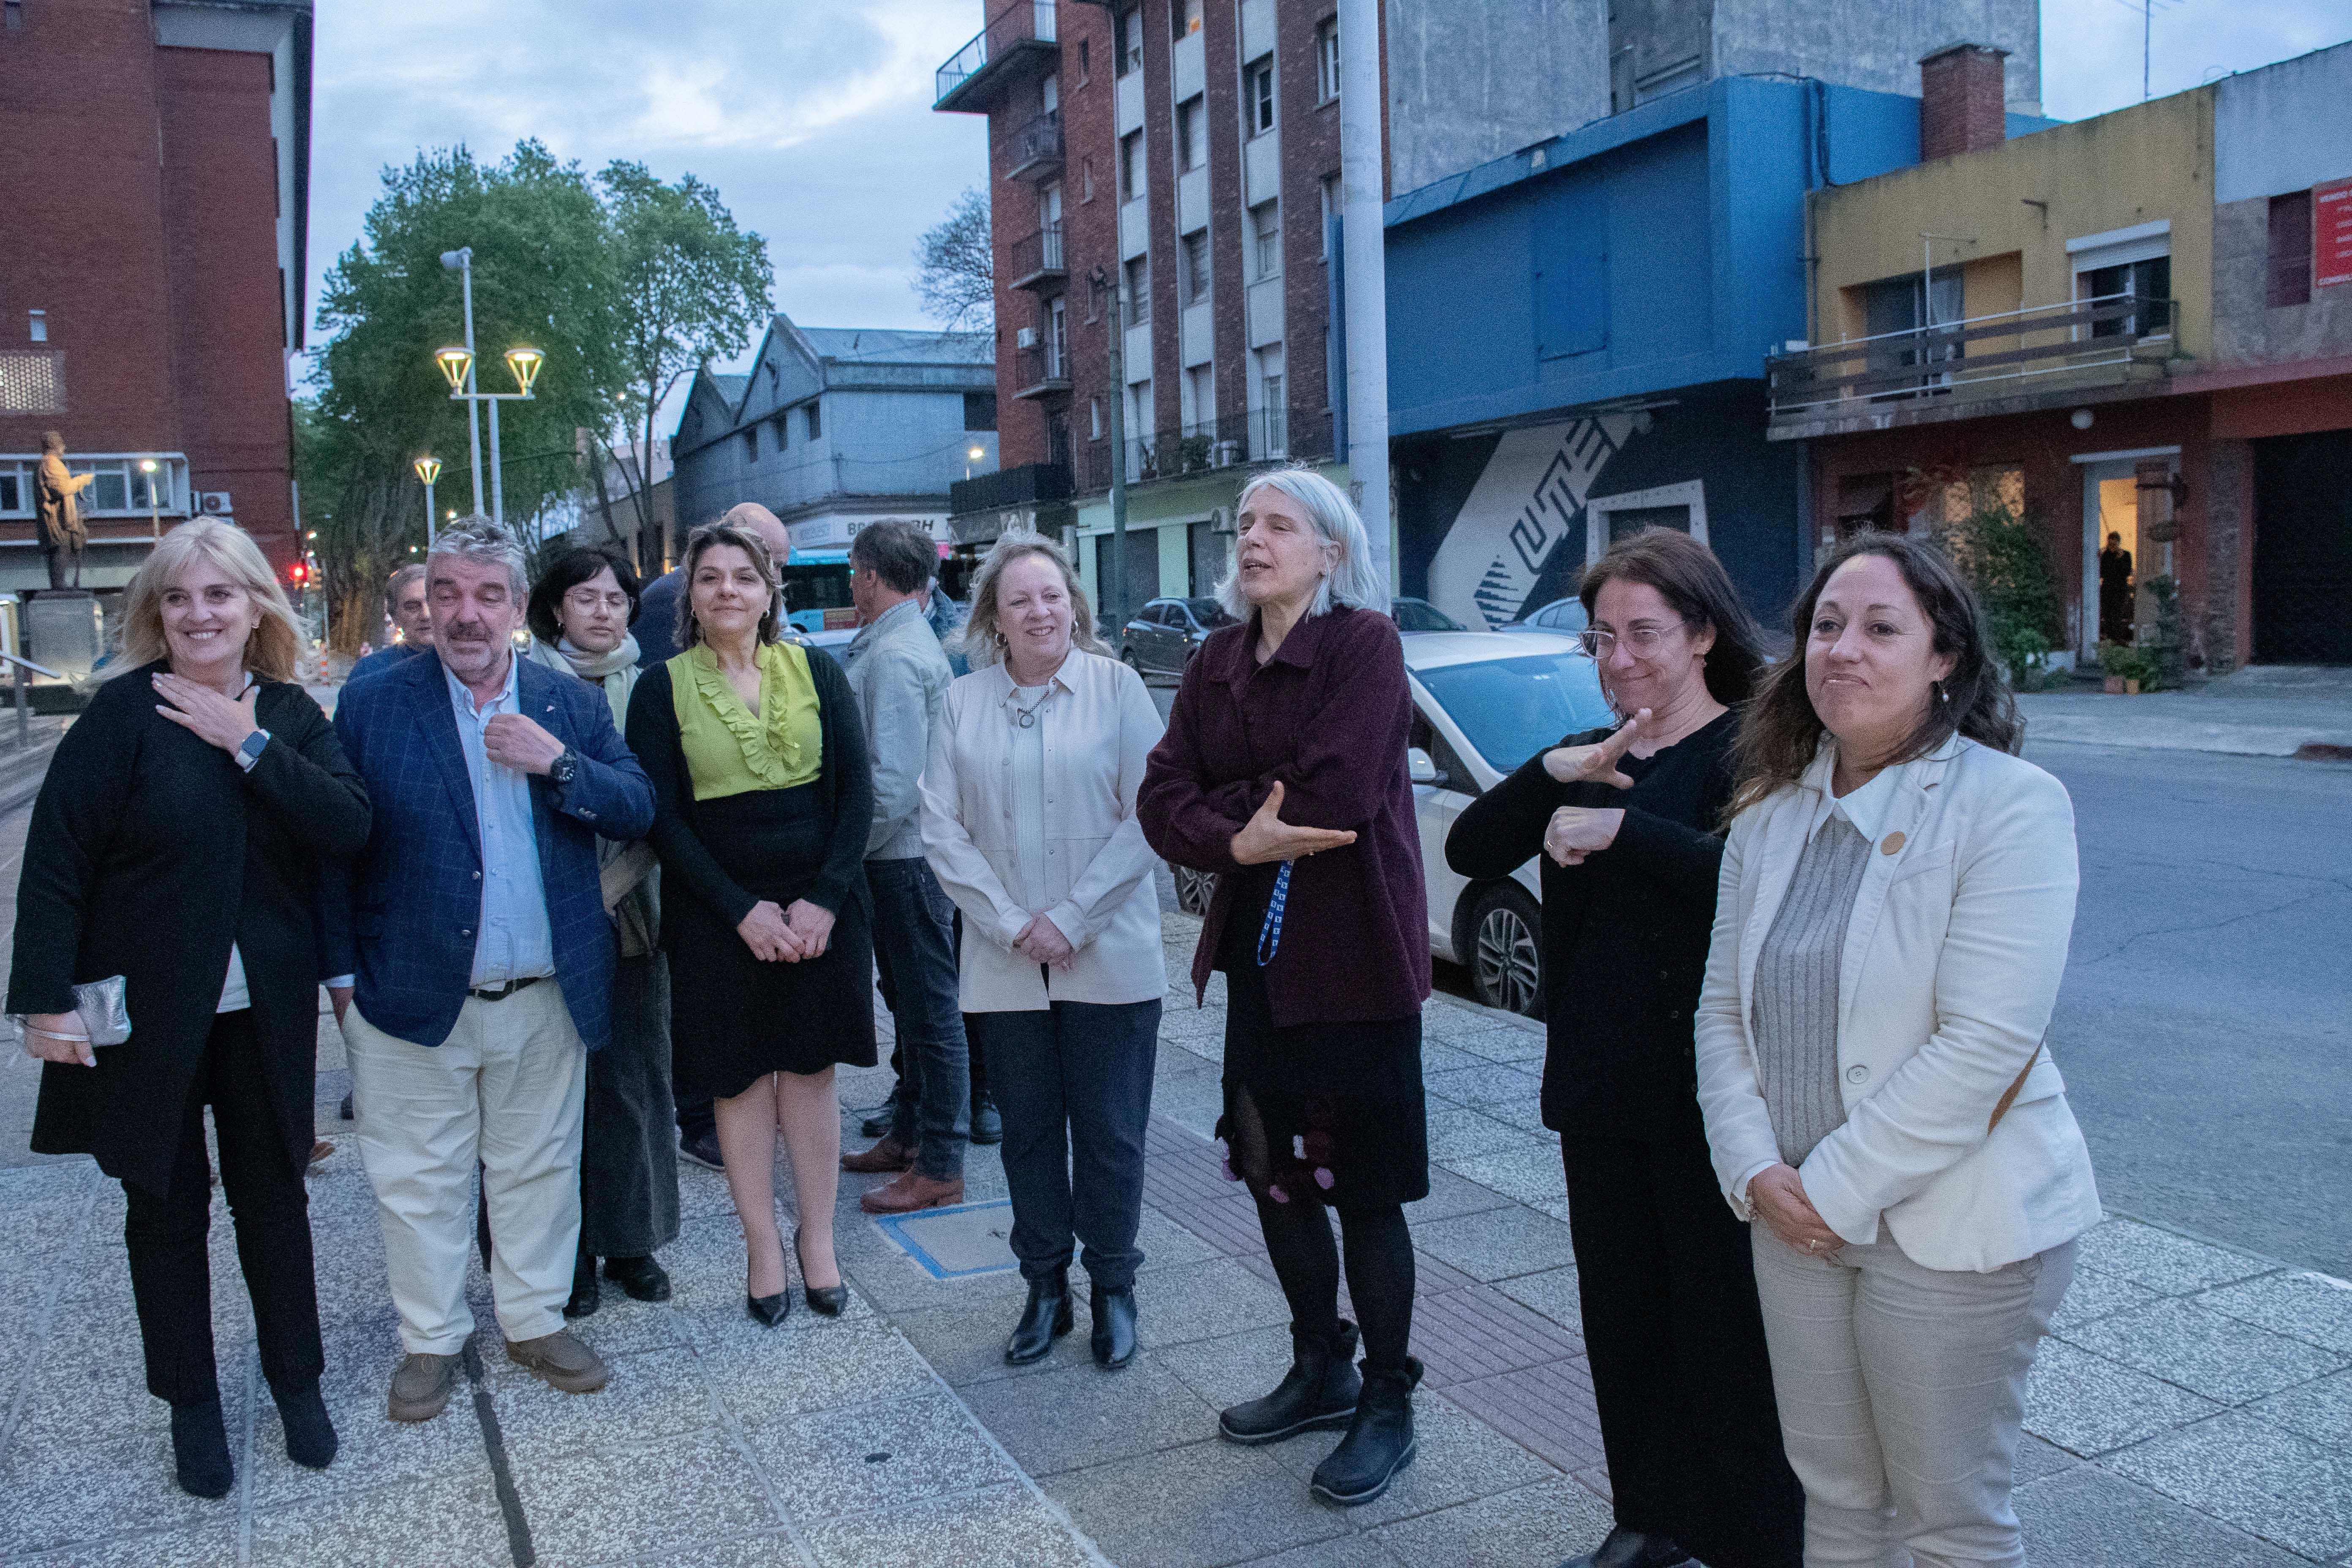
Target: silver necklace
<point>1026,718</point>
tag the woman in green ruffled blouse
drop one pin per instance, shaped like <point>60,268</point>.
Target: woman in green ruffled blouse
<point>762,804</point>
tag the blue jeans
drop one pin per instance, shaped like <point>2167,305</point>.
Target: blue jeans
<point>1073,1082</point>
<point>914,949</point>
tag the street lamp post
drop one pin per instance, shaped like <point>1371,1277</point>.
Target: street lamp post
<point>461,261</point>
<point>155,518</point>
<point>457,368</point>
<point>428,469</point>
<point>973,455</point>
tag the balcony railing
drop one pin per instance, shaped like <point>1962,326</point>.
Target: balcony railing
<point>1040,370</point>
<point>1035,152</point>
<point>1037,257</point>
<point>1025,486</point>
<point>1264,436</point>
<point>1016,28</point>
<point>2015,352</point>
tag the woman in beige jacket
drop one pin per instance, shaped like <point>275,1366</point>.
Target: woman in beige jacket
<point>1897,896</point>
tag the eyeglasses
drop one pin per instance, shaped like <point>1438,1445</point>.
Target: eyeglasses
<point>585,599</point>
<point>1644,640</point>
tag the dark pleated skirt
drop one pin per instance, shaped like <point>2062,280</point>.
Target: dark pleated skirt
<point>735,1018</point>
<point>628,1137</point>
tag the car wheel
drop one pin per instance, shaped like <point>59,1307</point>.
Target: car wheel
<point>1506,950</point>
<point>1195,889</point>
<point>1133,663</point>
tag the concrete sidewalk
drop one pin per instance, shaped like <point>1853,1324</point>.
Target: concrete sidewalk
<point>2196,1409</point>
<point>2265,711</point>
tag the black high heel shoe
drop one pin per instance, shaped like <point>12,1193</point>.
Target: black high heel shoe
<point>825,1300</point>
<point>767,1311</point>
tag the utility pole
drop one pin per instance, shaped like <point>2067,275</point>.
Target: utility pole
<point>1363,189</point>
<point>461,261</point>
<point>1115,592</point>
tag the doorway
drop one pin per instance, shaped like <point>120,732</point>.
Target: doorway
<point>2114,594</point>
<point>2303,549</point>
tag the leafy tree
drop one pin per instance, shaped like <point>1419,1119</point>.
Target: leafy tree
<point>2006,558</point>
<point>956,266</point>
<point>688,286</point>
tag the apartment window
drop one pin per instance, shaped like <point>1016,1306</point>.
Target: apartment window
<point>1138,291</point>
<point>1265,236</point>
<point>1139,423</point>
<point>1200,391</point>
<point>1086,61</point>
<point>776,432</point>
<point>980,411</point>
<point>1094,419</point>
<point>16,490</point>
<point>815,426</point>
<point>752,444</point>
<point>2149,281</point>
<point>1327,60</point>
<point>1194,278</point>
<point>1128,32</point>
<point>36,322</point>
<point>1186,15</point>
<point>1086,179</point>
<point>1131,166</point>
<point>1329,187</point>
<point>1049,92</point>
<point>2290,261</point>
<point>1257,96</point>
<point>1192,133</point>
<point>1057,337</point>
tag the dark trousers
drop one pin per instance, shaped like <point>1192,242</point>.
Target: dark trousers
<point>913,950</point>
<point>975,1058</point>
<point>1677,1345</point>
<point>171,1279</point>
<point>1073,1083</point>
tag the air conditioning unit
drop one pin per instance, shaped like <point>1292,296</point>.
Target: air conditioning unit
<point>214,503</point>
<point>1025,338</point>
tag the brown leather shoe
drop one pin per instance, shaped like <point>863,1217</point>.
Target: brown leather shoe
<point>886,1156</point>
<point>421,1386</point>
<point>561,1361</point>
<point>911,1190</point>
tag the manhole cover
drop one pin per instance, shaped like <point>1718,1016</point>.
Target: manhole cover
<point>957,1242</point>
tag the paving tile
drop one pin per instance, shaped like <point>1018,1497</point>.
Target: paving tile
<point>1083,1415</point>
<point>2094,1293</point>
<point>875,1457</point>
<point>1338,1552</point>
<point>1202,1301</point>
<point>2321,1411</point>
<point>1166,1244</point>
<point>1458,1133</point>
<point>2088,1404</point>
<point>1496,1042</point>
<point>1496,1243</point>
<point>422,1524</point>
<point>1488,1083</point>
<point>1002,1527</point>
<point>1546,1409</point>
<point>2167,1264</point>
<point>2314,1307</point>
<point>1229,1225</point>
<point>895,1283</point>
<point>1449,1195</point>
<point>1456,1459</point>
<point>632,1498</point>
<point>373,1450</point>
<point>810,1364</point>
<point>1237,1367</point>
<point>1481,1332</point>
<point>89,1388</point>
<point>2272,1483</point>
<point>1542,1523</point>
<point>965,1344</point>
<point>206,1546</point>
<point>654,1394</point>
<point>620,1326</point>
<point>1194,1101</point>
<point>1553,1292</point>
<point>1437,1057</point>
<point>111,1484</point>
<point>2036,1459</point>
<point>1531,1175</point>
<point>1213,1502</point>
<point>2205,1352</point>
<point>2086,1518</point>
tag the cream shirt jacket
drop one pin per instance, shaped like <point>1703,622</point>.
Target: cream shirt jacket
<point>1952,961</point>
<point>1098,728</point>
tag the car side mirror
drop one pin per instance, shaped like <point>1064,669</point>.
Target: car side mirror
<point>1420,768</point>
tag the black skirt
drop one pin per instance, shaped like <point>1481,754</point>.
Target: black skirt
<point>735,1018</point>
<point>1341,1106</point>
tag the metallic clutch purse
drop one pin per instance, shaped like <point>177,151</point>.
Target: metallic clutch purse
<point>105,1009</point>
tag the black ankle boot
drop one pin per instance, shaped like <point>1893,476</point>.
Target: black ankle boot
<point>1635,1549</point>
<point>1380,1440</point>
<point>1114,1335</point>
<point>200,1449</point>
<point>309,1433</point>
<point>1318,1391</point>
<point>643,1279</point>
<point>1044,1320</point>
<point>585,1297</point>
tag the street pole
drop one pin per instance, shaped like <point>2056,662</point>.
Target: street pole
<point>429,515</point>
<point>498,484</point>
<point>462,262</point>
<point>1363,182</point>
<point>1115,592</point>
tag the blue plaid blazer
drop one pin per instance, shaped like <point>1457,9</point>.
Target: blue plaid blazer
<point>401,919</point>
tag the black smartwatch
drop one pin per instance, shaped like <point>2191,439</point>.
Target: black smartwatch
<point>564,769</point>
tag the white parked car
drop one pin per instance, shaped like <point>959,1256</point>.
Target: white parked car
<point>1483,703</point>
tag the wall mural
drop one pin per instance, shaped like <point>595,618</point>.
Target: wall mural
<point>1528,502</point>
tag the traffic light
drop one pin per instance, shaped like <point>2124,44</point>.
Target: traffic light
<point>299,573</point>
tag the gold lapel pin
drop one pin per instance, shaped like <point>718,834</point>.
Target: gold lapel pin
<point>1892,844</point>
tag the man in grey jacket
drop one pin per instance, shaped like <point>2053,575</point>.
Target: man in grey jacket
<point>900,676</point>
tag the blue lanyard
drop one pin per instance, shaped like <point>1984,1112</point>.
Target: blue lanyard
<point>1269,935</point>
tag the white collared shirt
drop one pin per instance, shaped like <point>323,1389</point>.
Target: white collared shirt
<point>1866,806</point>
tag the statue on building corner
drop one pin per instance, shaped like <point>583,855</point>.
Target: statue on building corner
<point>58,513</point>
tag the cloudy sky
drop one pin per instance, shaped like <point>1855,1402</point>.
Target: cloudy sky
<point>813,117</point>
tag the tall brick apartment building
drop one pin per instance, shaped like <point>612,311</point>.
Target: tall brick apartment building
<point>155,189</point>
<point>1187,152</point>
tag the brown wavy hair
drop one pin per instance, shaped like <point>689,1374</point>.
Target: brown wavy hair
<point>701,544</point>
<point>1780,732</point>
<point>1687,576</point>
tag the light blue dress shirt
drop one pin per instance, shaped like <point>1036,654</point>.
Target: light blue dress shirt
<point>514,940</point>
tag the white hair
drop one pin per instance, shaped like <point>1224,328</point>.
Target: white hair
<point>477,539</point>
<point>1355,583</point>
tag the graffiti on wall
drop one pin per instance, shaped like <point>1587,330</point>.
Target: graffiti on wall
<point>1528,502</point>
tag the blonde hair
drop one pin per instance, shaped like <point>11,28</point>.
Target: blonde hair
<point>982,644</point>
<point>269,652</point>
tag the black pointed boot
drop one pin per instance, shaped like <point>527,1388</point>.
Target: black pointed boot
<point>1318,1391</point>
<point>1380,1440</point>
<point>1045,1318</point>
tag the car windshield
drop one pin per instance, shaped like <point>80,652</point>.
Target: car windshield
<point>1510,709</point>
<point>1421,616</point>
<point>1210,613</point>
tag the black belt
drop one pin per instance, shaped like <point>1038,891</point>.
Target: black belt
<point>500,993</point>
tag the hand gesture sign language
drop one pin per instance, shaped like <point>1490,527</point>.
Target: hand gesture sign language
<point>1596,763</point>
<point>1267,838</point>
<point>204,712</point>
<point>1576,831</point>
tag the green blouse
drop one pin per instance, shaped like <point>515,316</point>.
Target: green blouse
<point>729,749</point>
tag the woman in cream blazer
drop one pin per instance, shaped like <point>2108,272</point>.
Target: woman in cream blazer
<point>1897,891</point>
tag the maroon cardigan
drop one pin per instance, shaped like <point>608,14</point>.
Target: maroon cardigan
<point>1328,716</point>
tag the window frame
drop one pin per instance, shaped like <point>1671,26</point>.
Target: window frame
<point>1139,289</point>
<point>815,422</point>
<point>1192,133</point>
<point>1327,60</point>
<point>1259,116</point>
<point>1195,273</point>
<point>2286,277</point>
<point>1127,41</point>
<point>1265,239</point>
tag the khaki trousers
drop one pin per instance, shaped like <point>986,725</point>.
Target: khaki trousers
<point>505,1090</point>
<point>1902,1392</point>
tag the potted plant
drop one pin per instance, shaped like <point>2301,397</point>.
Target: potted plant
<point>2129,670</point>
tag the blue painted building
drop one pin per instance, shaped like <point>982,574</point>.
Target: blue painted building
<point>1577,337</point>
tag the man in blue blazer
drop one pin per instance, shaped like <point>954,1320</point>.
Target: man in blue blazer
<point>473,963</point>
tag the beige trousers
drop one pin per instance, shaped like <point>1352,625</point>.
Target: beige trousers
<point>1902,1392</point>
<point>505,1090</point>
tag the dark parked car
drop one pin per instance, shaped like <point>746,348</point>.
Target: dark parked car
<point>1421,616</point>
<point>1166,633</point>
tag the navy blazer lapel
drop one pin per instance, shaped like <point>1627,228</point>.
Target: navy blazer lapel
<point>438,723</point>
